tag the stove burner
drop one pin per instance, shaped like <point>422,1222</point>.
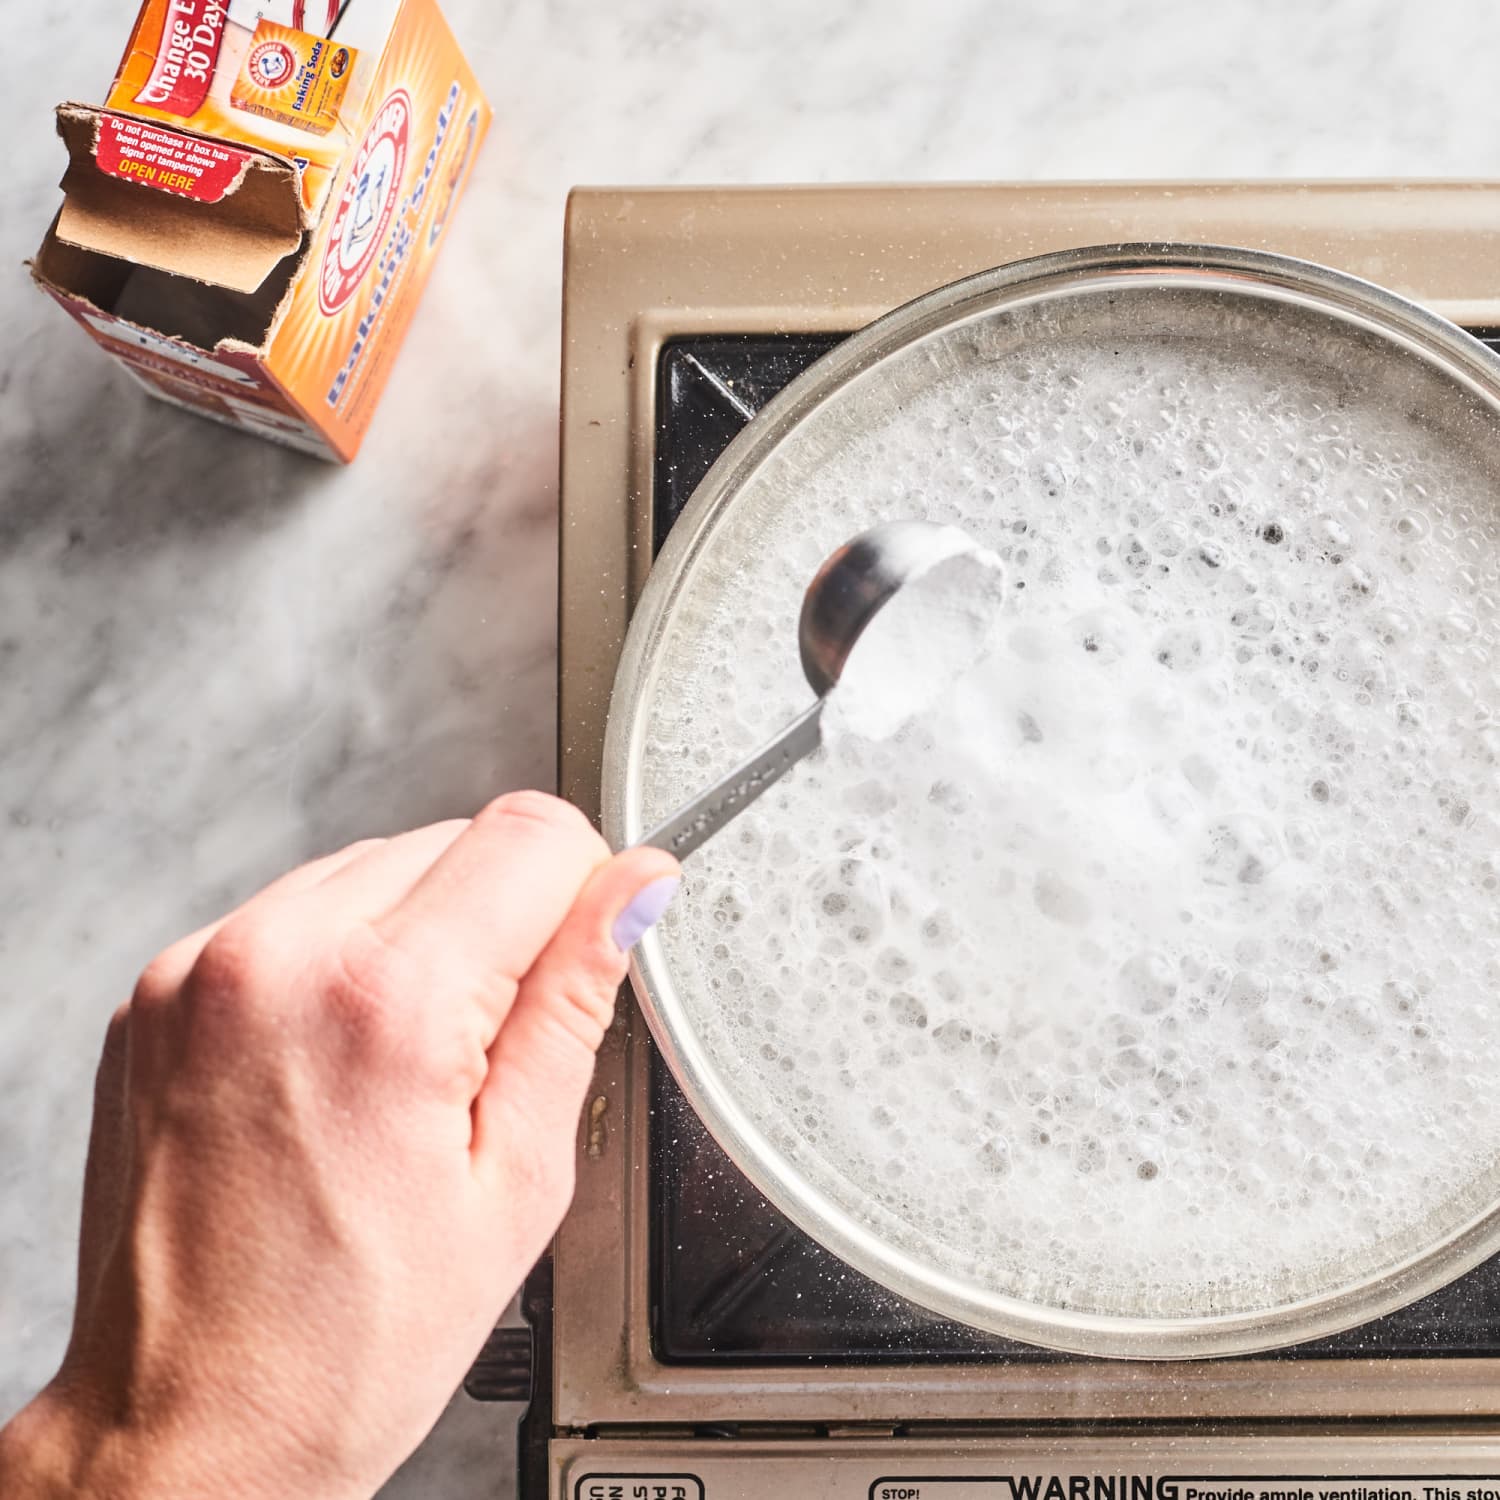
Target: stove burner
<point>732,1280</point>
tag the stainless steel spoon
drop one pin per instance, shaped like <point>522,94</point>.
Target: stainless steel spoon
<point>846,593</point>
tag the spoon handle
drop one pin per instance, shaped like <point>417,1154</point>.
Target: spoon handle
<point>697,821</point>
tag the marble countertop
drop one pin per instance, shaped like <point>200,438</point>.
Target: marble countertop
<point>218,658</point>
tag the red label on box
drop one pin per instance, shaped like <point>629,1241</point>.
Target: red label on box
<point>162,159</point>
<point>186,54</point>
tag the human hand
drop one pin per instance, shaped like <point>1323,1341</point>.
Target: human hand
<point>331,1134</point>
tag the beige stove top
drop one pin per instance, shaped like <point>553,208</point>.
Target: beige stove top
<point>645,265</point>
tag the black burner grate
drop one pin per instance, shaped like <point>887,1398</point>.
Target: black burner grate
<point>732,1280</point>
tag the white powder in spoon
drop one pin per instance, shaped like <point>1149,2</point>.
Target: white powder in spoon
<point>931,632</point>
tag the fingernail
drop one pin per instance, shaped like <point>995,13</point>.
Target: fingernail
<point>644,912</point>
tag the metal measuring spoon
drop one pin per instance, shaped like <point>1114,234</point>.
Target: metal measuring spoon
<point>846,593</point>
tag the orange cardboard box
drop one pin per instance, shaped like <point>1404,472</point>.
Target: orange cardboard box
<point>249,220</point>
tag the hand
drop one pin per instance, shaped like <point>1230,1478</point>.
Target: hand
<point>331,1134</point>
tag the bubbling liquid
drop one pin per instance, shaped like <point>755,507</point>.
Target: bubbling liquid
<point>1153,969</point>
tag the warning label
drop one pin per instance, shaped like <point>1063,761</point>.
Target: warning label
<point>1188,1487</point>
<point>162,159</point>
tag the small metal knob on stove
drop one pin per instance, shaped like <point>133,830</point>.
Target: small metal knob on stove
<point>503,1370</point>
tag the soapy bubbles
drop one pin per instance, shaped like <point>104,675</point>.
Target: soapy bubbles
<point>1162,951</point>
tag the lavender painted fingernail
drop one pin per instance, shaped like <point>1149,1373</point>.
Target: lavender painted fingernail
<point>644,912</point>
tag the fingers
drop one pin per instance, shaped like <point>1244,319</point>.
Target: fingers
<point>458,909</point>
<point>543,1058</point>
<point>166,972</point>
<point>480,916</point>
<point>316,871</point>
<point>385,873</point>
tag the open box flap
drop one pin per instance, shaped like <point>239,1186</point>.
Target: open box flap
<point>233,241</point>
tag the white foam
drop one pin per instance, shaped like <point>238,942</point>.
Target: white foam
<point>1155,965</point>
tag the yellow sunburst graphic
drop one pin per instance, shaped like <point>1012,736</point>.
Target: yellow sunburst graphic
<point>374,244</point>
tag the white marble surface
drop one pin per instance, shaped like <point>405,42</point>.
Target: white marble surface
<point>217,658</point>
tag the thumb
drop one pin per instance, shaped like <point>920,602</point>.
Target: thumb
<point>526,1112</point>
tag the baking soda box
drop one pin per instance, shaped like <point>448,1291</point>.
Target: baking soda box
<point>248,221</point>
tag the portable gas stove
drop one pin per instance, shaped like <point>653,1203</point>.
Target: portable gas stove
<point>685,1340</point>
